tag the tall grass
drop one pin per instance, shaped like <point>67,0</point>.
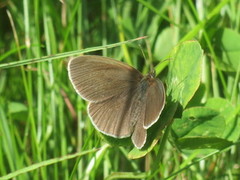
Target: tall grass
<point>45,132</point>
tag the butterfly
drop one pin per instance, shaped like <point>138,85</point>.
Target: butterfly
<point>122,101</point>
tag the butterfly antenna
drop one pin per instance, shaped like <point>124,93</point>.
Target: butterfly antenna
<point>149,63</point>
<point>150,56</point>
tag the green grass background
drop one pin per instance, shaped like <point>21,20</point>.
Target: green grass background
<point>45,132</point>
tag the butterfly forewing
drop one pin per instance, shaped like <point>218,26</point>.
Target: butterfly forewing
<point>155,102</point>
<point>98,78</point>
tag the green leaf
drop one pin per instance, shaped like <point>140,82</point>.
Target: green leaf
<point>18,111</point>
<point>229,113</point>
<point>117,141</point>
<point>184,71</point>
<point>199,121</point>
<point>138,153</point>
<point>16,107</point>
<point>227,49</point>
<point>203,143</point>
<point>214,126</point>
<point>164,43</point>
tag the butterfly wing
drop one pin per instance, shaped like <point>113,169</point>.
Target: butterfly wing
<point>97,78</point>
<point>155,102</point>
<point>112,116</point>
<point>139,135</point>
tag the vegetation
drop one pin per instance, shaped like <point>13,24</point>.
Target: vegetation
<point>45,131</point>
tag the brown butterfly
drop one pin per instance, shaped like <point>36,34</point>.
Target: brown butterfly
<point>123,102</point>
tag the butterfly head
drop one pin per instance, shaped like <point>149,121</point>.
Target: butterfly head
<point>151,75</point>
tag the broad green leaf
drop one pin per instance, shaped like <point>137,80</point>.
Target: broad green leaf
<point>184,71</point>
<point>229,113</point>
<point>117,141</point>
<point>138,153</point>
<point>16,107</point>
<point>203,143</point>
<point>200,128</point>
<point>227,49</point>
<point>199,121</point>
<point>18,111</point>
<point>164,43</point>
